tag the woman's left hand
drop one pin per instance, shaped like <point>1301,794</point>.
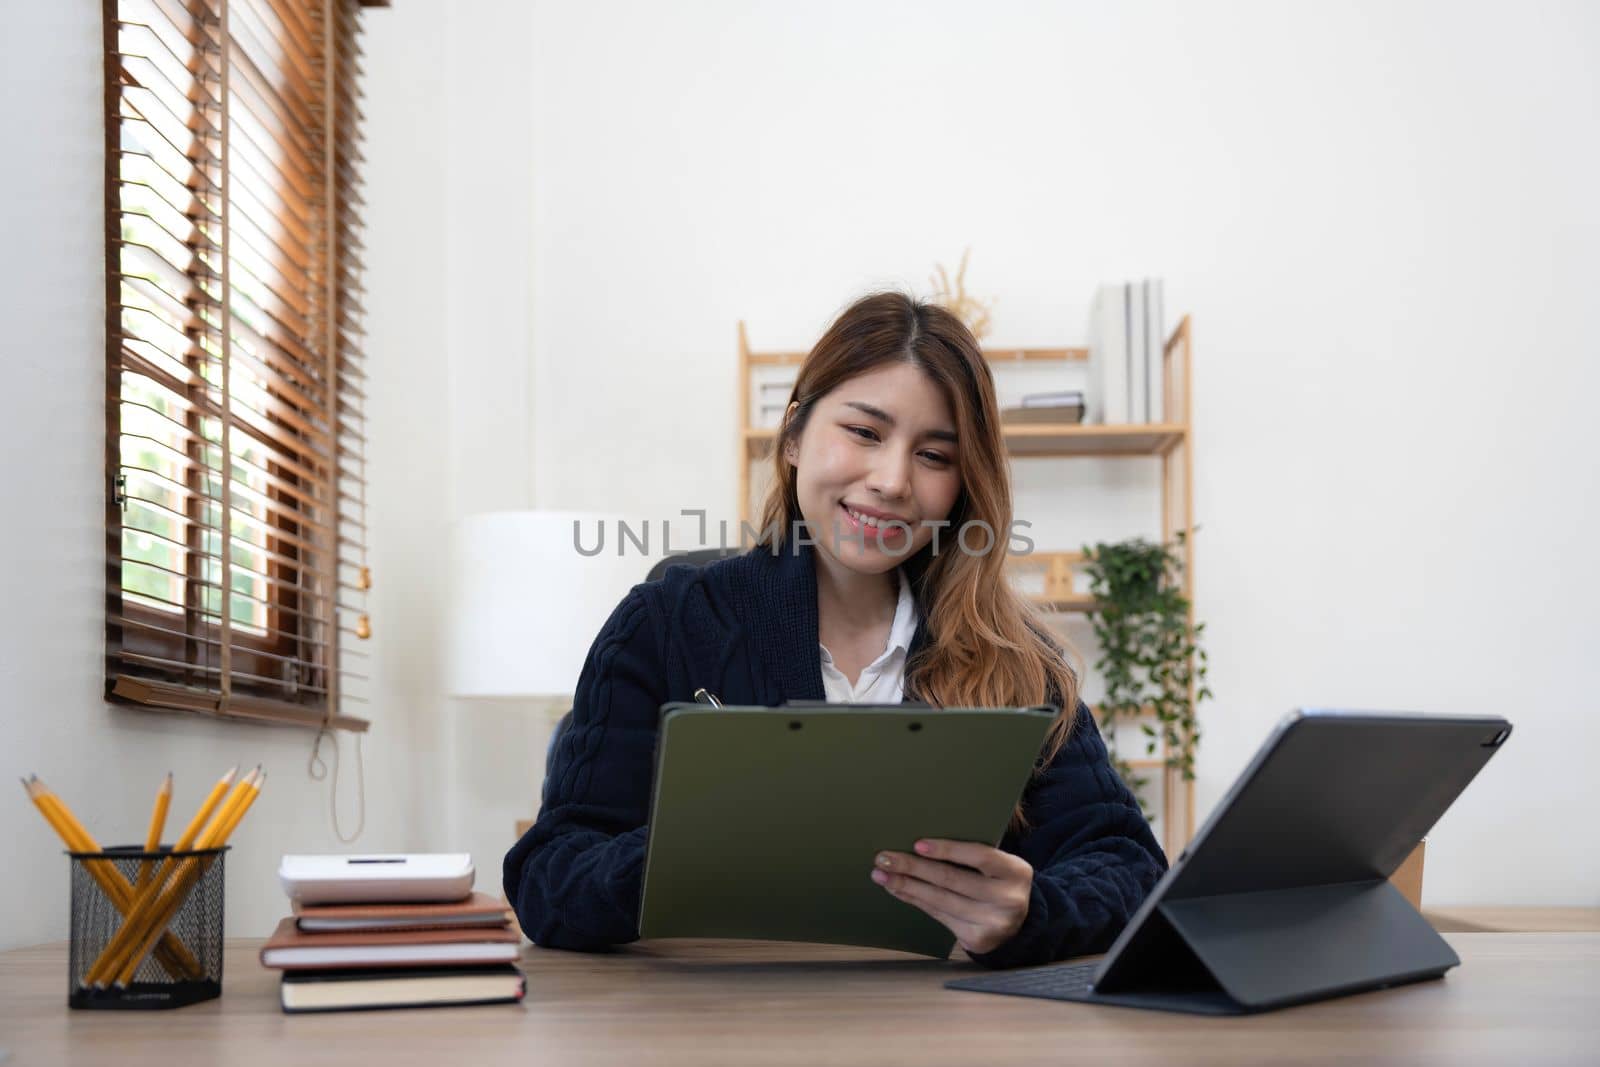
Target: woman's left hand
<point>979,893</point>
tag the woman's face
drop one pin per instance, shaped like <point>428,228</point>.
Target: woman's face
<point>879,447</point>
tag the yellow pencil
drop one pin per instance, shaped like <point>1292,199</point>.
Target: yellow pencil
<point>158,823</point>
<point>168,886</point>
<point>216,837</point>
<point>123,937</point>
<point>107,964</point>
<point>174,955</point>
<point>237,797</point>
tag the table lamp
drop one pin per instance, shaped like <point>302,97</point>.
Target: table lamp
<point>525,603</point>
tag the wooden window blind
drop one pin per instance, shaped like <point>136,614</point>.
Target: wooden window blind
<point>235,434</point>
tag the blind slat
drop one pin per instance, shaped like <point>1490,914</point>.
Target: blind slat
<point>301,511</point>
<point>266,303</point>
<point>187,580</point>
<point>298,34</point>
<point>152,627</point>
<point>260,35</point>
<point>269,237</point>
<point>234,543</point>
<point>211,490</point>
<point>253,121</point>
<point>274,279</point>
<point>299,457</point>
<point>277,348</point>
<point>307,503</point>
<point>261,176</point>
<point>179,549</point>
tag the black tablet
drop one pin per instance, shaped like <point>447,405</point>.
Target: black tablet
<point>1283,895</point>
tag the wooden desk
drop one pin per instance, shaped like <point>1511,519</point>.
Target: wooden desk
<point>1517,998</point>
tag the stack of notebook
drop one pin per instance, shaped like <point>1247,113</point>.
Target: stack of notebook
<point>341,957</point>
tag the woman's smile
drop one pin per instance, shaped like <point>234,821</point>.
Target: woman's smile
<point>872,525</point>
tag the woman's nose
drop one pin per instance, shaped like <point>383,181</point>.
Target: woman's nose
<point>891,474</point>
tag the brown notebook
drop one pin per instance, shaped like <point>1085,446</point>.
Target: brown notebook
<point>289,948</point>
<point>480,909</point>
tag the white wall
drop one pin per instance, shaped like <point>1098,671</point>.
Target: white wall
<point>1381,217</point>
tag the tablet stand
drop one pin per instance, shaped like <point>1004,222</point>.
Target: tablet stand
<point>1244,952</point>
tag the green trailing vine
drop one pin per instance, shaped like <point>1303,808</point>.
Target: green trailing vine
<point>1149,658</point>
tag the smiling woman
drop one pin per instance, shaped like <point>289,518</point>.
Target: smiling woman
<point>863,587</point>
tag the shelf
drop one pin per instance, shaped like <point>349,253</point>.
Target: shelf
<point>1038,440</point>
<point>1076,439</point>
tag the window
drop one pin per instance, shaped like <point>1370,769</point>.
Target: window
<point>236,449</point>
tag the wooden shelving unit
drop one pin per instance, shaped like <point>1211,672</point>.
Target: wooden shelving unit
<point>1171,442</point>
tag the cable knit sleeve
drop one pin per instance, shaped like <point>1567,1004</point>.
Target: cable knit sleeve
<point>575,877</point>
<point>1094,856</point>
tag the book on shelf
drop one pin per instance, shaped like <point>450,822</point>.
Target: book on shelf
<point>289,948</point>
<point>1155,349</point>
<point>1138,366</point>
<point>477,910</point>
<point>1058,415</point>
<point>1108,357</point>
<point>1127,332</point>
<point>1055,399</point>
<point>1064,406</point>
<point>356,989</point>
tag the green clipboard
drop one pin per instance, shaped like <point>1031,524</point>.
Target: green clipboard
<point>764,822</point>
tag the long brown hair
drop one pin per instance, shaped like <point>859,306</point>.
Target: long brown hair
<point>986,646</point>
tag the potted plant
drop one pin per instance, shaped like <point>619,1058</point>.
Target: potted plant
<point>1150,658</point>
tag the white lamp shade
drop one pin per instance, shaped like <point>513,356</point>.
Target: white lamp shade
<point>525,604</point>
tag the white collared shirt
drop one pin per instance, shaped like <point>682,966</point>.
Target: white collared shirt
<point>883,680</point>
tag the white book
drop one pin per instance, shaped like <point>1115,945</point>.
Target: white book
<point>1106,399</point>
<point>1138,356</point>
<point>1156,333</point>
<point>407,955</point>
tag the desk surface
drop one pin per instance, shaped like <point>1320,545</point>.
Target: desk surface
<point>1521,998</point>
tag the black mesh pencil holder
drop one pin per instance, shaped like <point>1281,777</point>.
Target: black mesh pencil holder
<point>116,915</point>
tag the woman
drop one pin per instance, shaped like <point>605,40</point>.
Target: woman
<point>879,577</point>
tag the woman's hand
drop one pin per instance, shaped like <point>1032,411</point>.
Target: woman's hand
<point>979,893</point>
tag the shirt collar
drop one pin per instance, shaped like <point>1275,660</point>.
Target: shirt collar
<point>901,630</point>
<point>904,626</point>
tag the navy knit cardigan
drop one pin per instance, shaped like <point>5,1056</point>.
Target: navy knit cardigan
<point>746,629</point>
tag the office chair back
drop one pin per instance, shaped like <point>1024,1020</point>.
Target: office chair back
<point>698,558</point>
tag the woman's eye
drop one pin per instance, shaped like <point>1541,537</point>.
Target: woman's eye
<point>935,457</point>
<point>863,432</point>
